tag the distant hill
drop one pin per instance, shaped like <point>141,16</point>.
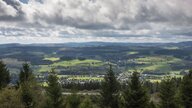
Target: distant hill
<point>95,44</point>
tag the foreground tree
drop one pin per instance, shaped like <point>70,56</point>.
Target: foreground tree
<point>9,98</point>
<point>109,90</point>
<point>26,86</point>
<point>135,94</point>
<point>186,90</point>
<point>86,103</point>
<point>73,101</point>
<point>152,105</point>
<point>54,92</point>
<point>168,94</point>
<point>4,75</point>
<point>26,74</point>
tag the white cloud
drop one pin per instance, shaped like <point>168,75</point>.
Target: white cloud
<point>6,10</point>
<point>97,20</point>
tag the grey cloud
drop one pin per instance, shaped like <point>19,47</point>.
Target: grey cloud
<point>13,3</point>
<point>99,14</point>
<point>119,19</point>
<point>14,6</point>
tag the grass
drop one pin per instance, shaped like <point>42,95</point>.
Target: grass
<point>132,53</point>
<point>70,63</point>
<point>159,67</point>
<point>44,68</point>
<point>53,59</point>
<point>87,62</point>
<point>62,76</point>
<point>85,78</point>
<point>151,59</point>
<point>155,80</point>
<point>156,63</point>
<point>171,48</point>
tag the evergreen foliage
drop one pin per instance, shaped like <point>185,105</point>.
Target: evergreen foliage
<point>136,95</point>
<point>26,86</point>
<point>186,90</point>
<point>26,74</point>
<point>168,94</point>
<point>4,75</point>
<point>109,90</point>
<point>133,94</point>
<point>54,92</point>
<point>73,101</point>
<point>9,98</point>
<point>86,103</point>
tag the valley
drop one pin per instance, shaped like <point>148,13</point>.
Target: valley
<point>90,61</point>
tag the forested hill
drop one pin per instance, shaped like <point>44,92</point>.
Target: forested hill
<point>152,58</point>
<point>91,44</point>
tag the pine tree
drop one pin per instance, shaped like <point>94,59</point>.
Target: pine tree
<point>54,92</point>
<point>86,103</point>
<point>109,90</point>
<point>168,94</point>
<point>73,101</point>
<point>4,75</point>
<point>26,86</point>
<point>135,94</point>
<point>26,74</point>
<point>152,105</point>
<point>27,95</point>
<point>186,90</point>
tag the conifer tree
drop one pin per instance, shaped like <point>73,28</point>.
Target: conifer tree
<point>73,100</point>
<point>109,90</point>
<point>186,90</point>
<point>4,75</point>
<point>168,94</point>
<point>152,105</point>
<point>54,92</point>
<point>26,74</point>
<point>135,94</point>
<point>86,103</point>
<point>26,86</point>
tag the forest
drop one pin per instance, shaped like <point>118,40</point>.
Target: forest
<point>135,92</point>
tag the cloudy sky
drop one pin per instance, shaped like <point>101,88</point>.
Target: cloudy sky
<point>59,21</point>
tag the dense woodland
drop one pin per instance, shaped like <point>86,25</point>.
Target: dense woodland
<point>133,93</point>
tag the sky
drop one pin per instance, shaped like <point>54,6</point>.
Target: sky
<point>61,21</point>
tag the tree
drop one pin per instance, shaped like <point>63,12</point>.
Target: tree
<point>4,75</point>
<point>109,90</point>
<point>26,86</point>
<point>152,105</point>
<point>9,98</point>
<point>86,103</point>
<point>135,94</point>
<point>73,101</point>
<point>54,92</point>
<point>168,94</point>
<point>26,74</point>
<point>186,90</point>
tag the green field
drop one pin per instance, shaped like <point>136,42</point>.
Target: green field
<point>85,78</point>
<point>87,62</point>
<point>44,68</point>
<point>51,59</point>
<point>155,63</point>
<point>70,63</point>
<point>171,48</point>
<point>132,53</point>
